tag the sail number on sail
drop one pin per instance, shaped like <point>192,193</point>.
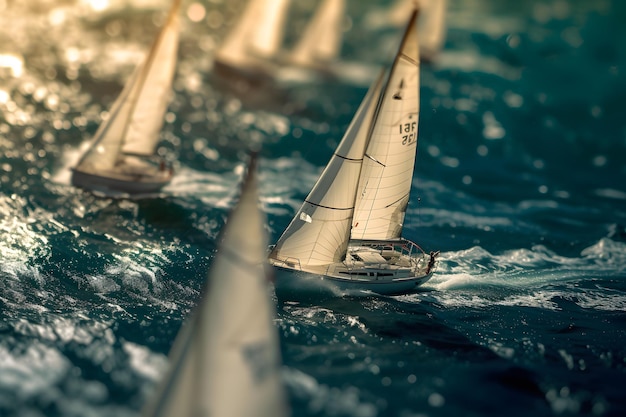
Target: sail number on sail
<point>408,132</point>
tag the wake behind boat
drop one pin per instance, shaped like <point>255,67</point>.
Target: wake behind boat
<point>346,237</point>
<point>122,156</point>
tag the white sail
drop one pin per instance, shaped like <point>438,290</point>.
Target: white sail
<point>136,117</point>
<point>225,361</point>
<point>259,32</point>
<point>319,233</point>
<point>387,173</point>
<point>321,41</point>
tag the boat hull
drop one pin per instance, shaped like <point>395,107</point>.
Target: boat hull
<point>131,184</point>
<point>294,283</point>
<point>254,75</point>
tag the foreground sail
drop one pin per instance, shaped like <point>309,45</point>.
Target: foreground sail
<point>347,234</point>
<point>225,361</point>
<point>121,158</point>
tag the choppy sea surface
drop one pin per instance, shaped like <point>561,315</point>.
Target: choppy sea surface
<point>520,181</point>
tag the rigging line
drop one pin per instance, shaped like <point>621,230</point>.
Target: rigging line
<point>376,160</point>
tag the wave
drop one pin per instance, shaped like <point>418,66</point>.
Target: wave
<point>536,277</point>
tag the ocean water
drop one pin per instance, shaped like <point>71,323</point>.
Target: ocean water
<point>520,181</point>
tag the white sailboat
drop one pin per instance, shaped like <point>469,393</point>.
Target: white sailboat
<point>225,361</point>
<point>251,47</point>
<point>321,40</point>
<point>122,155</point>
<point>346,236</point>
<point>254,49</point>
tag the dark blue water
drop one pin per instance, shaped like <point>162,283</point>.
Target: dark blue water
<point>520,182</point>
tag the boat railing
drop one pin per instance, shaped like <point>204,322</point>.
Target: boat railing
<point>416,256</point>
<point>402,246</point>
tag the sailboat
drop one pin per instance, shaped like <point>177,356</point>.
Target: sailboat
<point>250,48</point>
<point>122,156</point>
<point>320,42</point>
<point>254,48</point>
<point>225,360</point>
<point>347,235</point>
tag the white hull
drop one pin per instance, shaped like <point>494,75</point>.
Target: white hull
<point>289,282</point>
<point>370,268</point>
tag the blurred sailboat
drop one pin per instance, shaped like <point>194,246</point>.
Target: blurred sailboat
<point>254,49</point>
<point>320,43</point>
<point>225,360</point>
<point>250,49</point>
<point>122,156</point>
<point>346,236</point>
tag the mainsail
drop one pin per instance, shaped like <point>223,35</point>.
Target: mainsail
<point>136,117</point>
<point>387,173</point>
<point>225,361</point>
<point>321,41</point>
<point>319,233</point>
